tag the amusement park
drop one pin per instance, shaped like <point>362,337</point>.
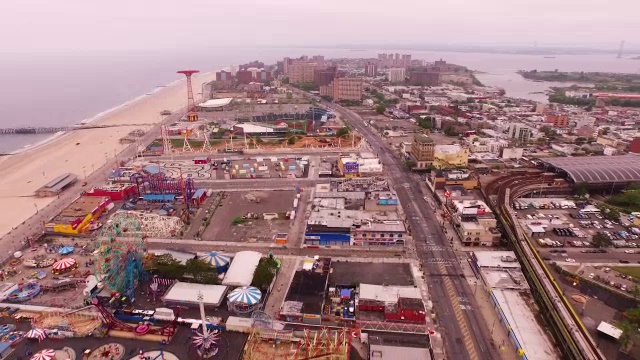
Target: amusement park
<point>201,245</point>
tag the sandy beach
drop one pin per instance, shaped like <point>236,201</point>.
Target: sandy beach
<point>79,152</point>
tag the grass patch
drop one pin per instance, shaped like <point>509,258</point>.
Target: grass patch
<point>628,270</point>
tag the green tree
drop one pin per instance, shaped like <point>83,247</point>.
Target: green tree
<point>380,109</point>
<point>292,140</point>
<point>285,80</point>
<point>289,95</point>
<point>342,131</point>
<point>265,272</point>
<point>600,240</point>
<point>410,164</point>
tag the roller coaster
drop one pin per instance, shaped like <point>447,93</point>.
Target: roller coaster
<point>572,337</point>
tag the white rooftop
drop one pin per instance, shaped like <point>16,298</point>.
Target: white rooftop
<point>242,267</point>
<point>495,259</point>
<point>215,103</point>
<point>388,294</point>
<point>188,293</point>
<point>529,334</point>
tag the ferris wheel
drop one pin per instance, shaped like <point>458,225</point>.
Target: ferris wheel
<point>121,250</point>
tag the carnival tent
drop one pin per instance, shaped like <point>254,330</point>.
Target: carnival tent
<point>246,295</point>
<point>36,334</point>
<point>46,354</point>
<point>66,250</point>
<point>220,261</point>
<point>64,264</point>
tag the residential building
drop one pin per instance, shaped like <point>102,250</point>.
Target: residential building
<point>371,69</point>
<point>607,141</point>
<point>301,72</point>
<point>324,77</point>
<point>422,151</point>
<point>450,156</point>
<point>397,75</point>
<point>244,76</point>
<point>406,61</point>
<point>347,88</point>
<point>557,120</point>
<point>424,78</point>
<point>520,133</point>
<point>224,76</point>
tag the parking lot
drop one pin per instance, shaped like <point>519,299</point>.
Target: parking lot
<point>351,273</point>
<point>241,216</point>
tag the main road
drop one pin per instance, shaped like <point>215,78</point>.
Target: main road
<point>463,333</point>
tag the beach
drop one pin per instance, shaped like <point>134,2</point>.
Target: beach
<point>80,152</point>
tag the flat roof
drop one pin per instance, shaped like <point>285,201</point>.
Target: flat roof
<point>494,259</point>
<point>599,169</point>
<point>386,352</point>
<point>388,293</point>
<point>215,103</point>
<point>188,293</point>
<point>241,270</point>
<point>529,335</point>
<point>60,182</point>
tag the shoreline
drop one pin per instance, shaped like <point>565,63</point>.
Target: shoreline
<point>97,117</point>
<point>83,153</point>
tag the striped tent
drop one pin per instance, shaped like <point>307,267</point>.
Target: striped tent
<point>248,295</point>
<point>220,261</point>
<point>162,281</point>
<point>46,354</point>
<point>36,334</point>
<point>64,264</point>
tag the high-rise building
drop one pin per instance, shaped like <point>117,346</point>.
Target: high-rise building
<point>324,77</point>
<point>244,76</point>
<point>397,75</point>
<point>397,60</point>
<point>371,69</point>
<point>285,66</point>
<point>347,88</point>
<point>301,72</point>
<point>520,133</point>
<point>424,78</point>
<point>406,60</point>
<point>224,76</point>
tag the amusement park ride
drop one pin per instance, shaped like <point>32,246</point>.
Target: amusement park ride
<point>192,115</point>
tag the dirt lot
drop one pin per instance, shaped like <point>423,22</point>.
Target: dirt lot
<point>237,204</point>
<point>346,273</point>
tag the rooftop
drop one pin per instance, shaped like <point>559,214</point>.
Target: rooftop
<point>423,138</point>
<point>83,206</point>
<point>59,183</point>
<point>496,259</point>
<point>599,169</point>
<point>188,293</point>
<point>529,335</point>
<point>308,288</point>
<point>388,293</point>
<point>215,103</point>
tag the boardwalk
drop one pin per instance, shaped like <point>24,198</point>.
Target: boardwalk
<point>51,130</point>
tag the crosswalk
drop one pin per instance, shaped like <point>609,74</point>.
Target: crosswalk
<point>445,262</point>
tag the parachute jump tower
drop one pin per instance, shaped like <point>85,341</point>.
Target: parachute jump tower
<point>192,115</point>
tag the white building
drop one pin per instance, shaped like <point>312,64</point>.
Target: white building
<point>512,153</point>
<point>396,75</point>
<point>520,132</point>
<point>608,150</point>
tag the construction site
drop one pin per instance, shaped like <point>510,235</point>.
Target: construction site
<point>319,343</point>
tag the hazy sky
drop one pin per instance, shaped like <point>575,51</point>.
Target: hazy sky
<point>63,25</point>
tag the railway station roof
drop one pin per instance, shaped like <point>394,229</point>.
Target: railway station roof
<point>599,169</point>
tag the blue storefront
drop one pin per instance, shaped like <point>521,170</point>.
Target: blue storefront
<point>327,239</point>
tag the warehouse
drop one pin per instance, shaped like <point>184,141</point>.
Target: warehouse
<point>186,294</point>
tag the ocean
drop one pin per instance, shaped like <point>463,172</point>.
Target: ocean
<point>64,89</point>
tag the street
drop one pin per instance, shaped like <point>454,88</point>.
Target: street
<point>463,334</point>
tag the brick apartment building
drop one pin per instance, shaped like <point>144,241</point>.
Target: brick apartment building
<point>557,120</point>
<point>347,88</point>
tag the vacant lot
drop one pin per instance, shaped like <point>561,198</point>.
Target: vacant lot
<point>235,205</point>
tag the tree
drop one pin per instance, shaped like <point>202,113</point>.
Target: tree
<point>342,131</point>
<point>581,189</point>
<point>411,164</point>
<point>285,80</point>
<point>600,240</point>
<point>289,95</point>
<point>265,272</point>
<point>292,140</point>
<point>380,109</point>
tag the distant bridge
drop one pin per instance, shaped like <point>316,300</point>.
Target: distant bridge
<point>51,130</point>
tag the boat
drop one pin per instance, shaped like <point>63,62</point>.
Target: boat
<point>549,57</point>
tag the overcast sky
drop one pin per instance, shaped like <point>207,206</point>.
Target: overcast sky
<point>63,25</point>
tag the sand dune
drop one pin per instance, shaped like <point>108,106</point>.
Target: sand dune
<point>78,152</point>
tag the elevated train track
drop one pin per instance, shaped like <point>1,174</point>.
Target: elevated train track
<point>570,334</point>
